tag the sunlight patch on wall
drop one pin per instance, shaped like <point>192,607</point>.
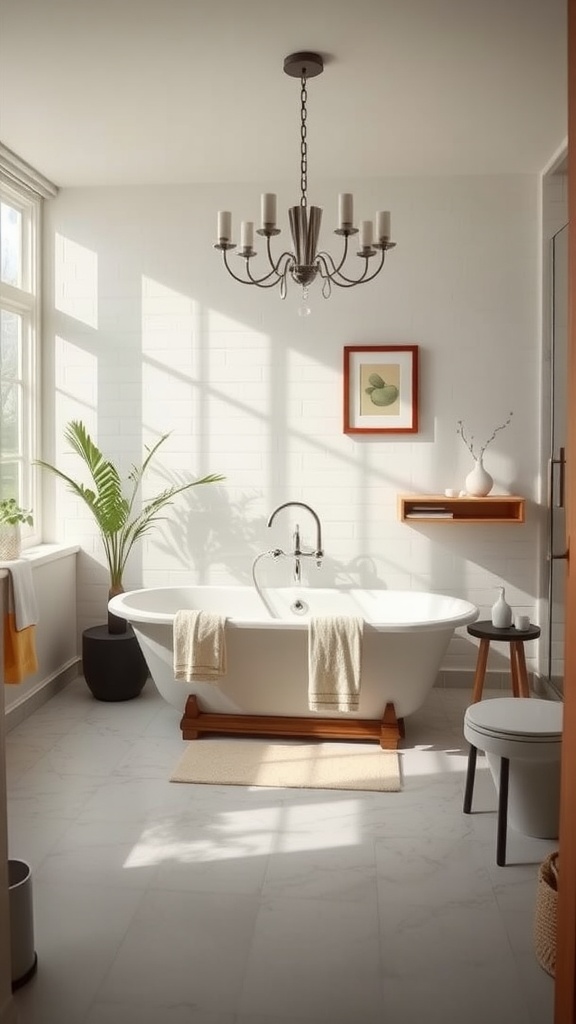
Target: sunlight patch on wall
<point>76,382</point>
<point>169,341</point>
<point>76,280</point>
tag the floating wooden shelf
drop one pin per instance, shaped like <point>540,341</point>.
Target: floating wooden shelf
<point>437,508</point>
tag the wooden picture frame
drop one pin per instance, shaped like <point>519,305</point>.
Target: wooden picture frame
<point>380,389</point>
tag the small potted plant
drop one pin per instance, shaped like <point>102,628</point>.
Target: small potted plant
<point>12,515</point>
<point>121,521</point>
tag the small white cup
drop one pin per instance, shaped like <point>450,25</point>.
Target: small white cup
<point>451,492</point>
<point>522,623</point>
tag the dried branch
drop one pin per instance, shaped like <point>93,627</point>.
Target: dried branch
<point>470,442</point>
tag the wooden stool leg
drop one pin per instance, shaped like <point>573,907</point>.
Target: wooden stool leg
<point>523,688</point>
<point>514,672</point>
<point>502,812</point>
<point>470,772</point>
<point>480,671</point>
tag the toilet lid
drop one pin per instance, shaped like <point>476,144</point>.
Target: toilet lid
<point>518,717</point>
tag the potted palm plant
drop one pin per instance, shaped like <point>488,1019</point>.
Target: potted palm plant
<point>121,521</point>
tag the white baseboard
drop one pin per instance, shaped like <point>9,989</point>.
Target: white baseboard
<point>542,688</point>
<point>464,679</point>
<point>46,689</point>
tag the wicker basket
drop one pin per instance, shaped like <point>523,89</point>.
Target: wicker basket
<point>546,912</point>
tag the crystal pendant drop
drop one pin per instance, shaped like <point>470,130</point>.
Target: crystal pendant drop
<point>304,309</point>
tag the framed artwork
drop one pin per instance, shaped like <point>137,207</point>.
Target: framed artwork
<point>380,389</point>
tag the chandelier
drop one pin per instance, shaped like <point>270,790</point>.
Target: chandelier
<point>305,262</point>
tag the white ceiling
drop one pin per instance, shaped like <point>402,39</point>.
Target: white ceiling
<point>103,92</point>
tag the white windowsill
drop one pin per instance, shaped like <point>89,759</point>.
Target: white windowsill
<point>41,554</point>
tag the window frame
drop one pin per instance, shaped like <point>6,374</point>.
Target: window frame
<point>25,301</point>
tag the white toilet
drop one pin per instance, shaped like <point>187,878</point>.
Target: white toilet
<point>528,732</point>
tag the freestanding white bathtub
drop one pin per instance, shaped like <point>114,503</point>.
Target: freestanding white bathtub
<point>406,634</point>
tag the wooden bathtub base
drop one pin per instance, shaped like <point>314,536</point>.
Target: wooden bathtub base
<point>388,730</point>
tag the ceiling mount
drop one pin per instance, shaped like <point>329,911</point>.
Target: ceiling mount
<point>303,65</point>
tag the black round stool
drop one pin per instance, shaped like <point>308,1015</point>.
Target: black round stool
<point>516,638</point>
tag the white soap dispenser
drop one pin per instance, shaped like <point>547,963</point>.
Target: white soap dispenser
<point>501,611</point>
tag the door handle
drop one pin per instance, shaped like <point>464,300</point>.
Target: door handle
<point>561,462</point>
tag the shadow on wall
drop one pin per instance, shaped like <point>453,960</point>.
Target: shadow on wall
<point>213,530</point>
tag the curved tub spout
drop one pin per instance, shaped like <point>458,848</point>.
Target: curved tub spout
<point>276,553</point>
<point>318,553</point>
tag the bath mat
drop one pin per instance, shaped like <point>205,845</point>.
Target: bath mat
<point>256,762</point>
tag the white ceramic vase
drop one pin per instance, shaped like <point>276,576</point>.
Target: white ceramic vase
<point>478,483</point>
<point>501,611</point>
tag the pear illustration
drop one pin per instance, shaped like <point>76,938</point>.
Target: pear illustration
<point>380,392</point>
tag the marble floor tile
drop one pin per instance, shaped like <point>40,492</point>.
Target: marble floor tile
<point>78,930</point>
<point>449,870</point>
<point>312,957</point>
<point>459,935</point>
<point>184,948</point>
<point>455,996</point>
<point>158,903</point>
<point>140,1013</point>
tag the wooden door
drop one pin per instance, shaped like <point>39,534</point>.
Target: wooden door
<point>565,990</point>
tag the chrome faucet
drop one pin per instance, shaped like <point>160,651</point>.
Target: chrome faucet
<point>297,553</point>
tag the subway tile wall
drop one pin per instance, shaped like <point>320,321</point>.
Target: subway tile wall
<point>145,334</point>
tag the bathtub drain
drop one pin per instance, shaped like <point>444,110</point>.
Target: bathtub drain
<point>299,607</point>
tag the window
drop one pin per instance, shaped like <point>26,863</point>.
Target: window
<point>19,324</point>
<point>22,190</point>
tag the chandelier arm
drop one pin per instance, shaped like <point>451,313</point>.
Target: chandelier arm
<point>283,255</point>
<point>348,282</point>
<point>255,280</point>
<point>277,269</point>
<point>335,271</point>
<point>335,275</point>
<point>330,259</point>
<point>263,282</point>
<point>241,280</point>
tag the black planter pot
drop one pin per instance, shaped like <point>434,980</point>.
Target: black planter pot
<point>113,664</point>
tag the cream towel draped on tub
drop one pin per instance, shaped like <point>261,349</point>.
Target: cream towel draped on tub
<point>334,662</point>
<point>199,645</point>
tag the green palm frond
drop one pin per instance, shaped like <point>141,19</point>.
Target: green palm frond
<point>119,527</point>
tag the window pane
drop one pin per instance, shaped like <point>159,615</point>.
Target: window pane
<point>11,443</point>
<point>11,236</point>
<point>10,344</point>
<point>10,480</point>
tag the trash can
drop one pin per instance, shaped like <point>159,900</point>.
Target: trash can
<point>24,959</point>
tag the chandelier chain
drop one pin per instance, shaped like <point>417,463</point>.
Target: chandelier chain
<point>303,144</point>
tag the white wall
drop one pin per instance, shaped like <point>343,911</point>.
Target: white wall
<point>146,333</point>
<point>54,577</point>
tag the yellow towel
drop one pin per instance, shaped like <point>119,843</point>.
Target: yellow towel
<point>334,662</point>
<point>199,645</point>
<point>19,650</point>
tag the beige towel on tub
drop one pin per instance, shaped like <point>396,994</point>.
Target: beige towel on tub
<point>199,645</point>
<point>334,662</point>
